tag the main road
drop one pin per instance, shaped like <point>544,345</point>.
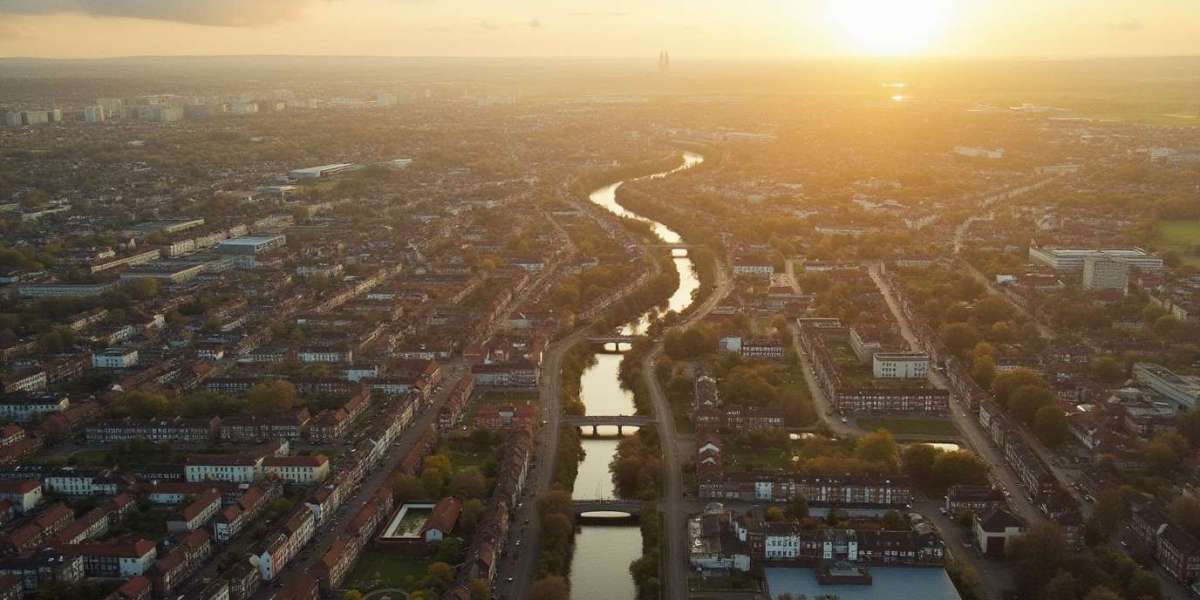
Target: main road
<point>674,556</point>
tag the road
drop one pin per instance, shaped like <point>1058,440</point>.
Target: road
<point>994,577</point>
<point>972,432</point>
<point>821,402</point>
<point>520,561</point>
<point>674,555</point>
<point>380,475</point>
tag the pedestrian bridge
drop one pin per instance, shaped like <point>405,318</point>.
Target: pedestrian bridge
<point>618,421</point>
<point>608,509</point>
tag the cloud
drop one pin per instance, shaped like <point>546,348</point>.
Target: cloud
<point>227,13</point>
<point>614,13</point>
<point>488,25</point>
<point>535,24</point>
<point>1126,26</point>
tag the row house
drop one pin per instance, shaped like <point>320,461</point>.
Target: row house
<point>172,570</point>
<point>23,407</point>
<point>977,499</point>
<point>514,466</point>
<point>196,514</point>
<point>521,374</point>
<point>98,521</point>
<point>137,588</point>
<point>177,430</point>
<point>43,567</point>
<point>818,490</point>
<point>115,559</point>
<point>329,426</point>
<point>38,529</point>
<point>301,470</point>
<point>505,417</point>
<point>285,542</point>
<point>453,409</point>
<point>1174,548</point>
<point>64,424</point>
<point>24,494</point>
<point>223,467</point>
<point>176,492</point>
<point>20,450</point>
<point>739,418</point>
<point>213,589</point>
<point>247,428</point>
<point>253,502</point>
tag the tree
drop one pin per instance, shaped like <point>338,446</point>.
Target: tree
<point>1027,400</point>
<point>983,370</point>
<point>468,483</point>
<point>556,501</point>
<point>406,488</point>
<point>993,309</point>
<point>1188,424</point>
<point>1050,425</point>
<point>892,521</point>
<point>1108,369</point>
<point>449,550</point>
<point>551,587</point>
<point>879,447</point>
<point>1101,593</point>
<point>479,590</point>
<point>434,482</point>
<point>144,404</point>
<point>918,461</point>
<point>472,512</point>
<point>775,514</point>
<point>959,337</point>
<point>1165,452</point>
<point>957,468</point>
<point>352,595</point>
<point>439,577</point>
<point>271,398</point>
<point>1039,553</point>
<point>1006,383</point>
<point>1185,512</point>
<point>1063,586</point>
<point>143,289</point>
<point>797,508</point>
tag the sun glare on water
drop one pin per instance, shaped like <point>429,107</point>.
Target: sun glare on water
<point>889,27</point>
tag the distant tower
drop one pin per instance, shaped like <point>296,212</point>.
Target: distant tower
<point>664,62</point>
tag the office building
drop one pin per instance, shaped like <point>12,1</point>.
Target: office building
<point>1063,259</point>
<point>1103,273</point>
<point>900,365</point>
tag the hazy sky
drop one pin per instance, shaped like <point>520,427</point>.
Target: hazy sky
<point>620,28</point>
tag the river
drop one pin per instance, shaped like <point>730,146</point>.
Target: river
<point>600,565</point>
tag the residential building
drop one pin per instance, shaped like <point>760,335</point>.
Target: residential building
<point>1103,273</point>
<point>900,365</point>
<point>115,358</point>
<point>23,407</point>
<point>995,530</point>
<point>298,469</point>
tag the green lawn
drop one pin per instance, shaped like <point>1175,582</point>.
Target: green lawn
<point>939,427</point>
<point>1180,237</point>
<point>378,570</point>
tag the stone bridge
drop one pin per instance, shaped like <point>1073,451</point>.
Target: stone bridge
<point>618,421</point>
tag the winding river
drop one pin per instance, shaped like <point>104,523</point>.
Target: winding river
<point>600,566</point>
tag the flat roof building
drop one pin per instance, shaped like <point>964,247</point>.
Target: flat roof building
<point>321,171</point>
<point>1064,259</point>
<point>1184,390</point>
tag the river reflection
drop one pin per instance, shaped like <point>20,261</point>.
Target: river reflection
<point>600,564</point>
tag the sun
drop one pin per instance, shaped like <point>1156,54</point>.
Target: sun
<point>889,27</point>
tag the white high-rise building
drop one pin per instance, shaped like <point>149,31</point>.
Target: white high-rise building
<point>94,114</point>
<point>1103,273</point>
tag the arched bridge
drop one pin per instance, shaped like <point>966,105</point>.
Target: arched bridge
<point>601,340</point>
<point>633,508</point>
<point>618,421</point>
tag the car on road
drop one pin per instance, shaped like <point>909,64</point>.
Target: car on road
<point>509,580</point>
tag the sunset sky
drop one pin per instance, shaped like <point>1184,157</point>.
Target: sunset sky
<point>601,28</point>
